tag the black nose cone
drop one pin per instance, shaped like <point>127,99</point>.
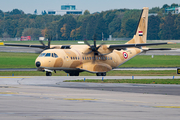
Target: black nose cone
<point>38,64</point>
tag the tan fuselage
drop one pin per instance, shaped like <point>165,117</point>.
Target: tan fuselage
<point>77,59</point>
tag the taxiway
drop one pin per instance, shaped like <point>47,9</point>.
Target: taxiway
<point>49,98</point>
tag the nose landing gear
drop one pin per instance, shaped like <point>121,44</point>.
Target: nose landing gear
<point>48,73</point>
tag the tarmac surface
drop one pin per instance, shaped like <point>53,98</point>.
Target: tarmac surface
<point>49,98</point>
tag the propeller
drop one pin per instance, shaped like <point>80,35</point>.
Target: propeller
<point>48,46</point>
<point>94,48</point>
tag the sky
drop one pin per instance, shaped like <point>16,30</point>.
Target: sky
<point>29,6</point>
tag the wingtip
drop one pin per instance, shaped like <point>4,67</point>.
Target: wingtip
<point>171,43</point>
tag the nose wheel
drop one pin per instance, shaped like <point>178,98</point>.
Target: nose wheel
<point>48,74</point>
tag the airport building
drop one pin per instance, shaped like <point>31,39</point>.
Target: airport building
<point>66,9</point>
<point>173,10</point>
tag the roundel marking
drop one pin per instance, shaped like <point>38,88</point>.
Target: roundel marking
<point>125,55</point>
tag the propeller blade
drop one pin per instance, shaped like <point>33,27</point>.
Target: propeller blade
<point>88,52</point>
<point>95,41</point>
<point>100,45</point>
<point>86,42</point>
<point>49,43</point>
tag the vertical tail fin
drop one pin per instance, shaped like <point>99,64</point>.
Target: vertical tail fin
<point>141,31</point>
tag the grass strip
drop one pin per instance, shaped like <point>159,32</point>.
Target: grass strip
<point>111,73</point>
<point>27,60</point>
<point>135,81</point>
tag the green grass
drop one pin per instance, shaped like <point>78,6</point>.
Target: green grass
<point>17,60</point>
<point>111,73</point>
<point>157,61</point>
<point>136,81</point>
<point>27,60</point>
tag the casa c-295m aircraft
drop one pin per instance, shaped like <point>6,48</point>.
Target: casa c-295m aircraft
<point>98,59</point>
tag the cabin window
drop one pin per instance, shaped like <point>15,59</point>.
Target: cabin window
<point>83,58</point>
<point>71,58</point>
<point>48,55</point>
<point>78,58</point>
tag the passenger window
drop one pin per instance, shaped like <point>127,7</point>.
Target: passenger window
<point>52,54</point>
<point>48,55</point>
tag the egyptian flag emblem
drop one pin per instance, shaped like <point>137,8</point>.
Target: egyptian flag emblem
<point>140,33</point>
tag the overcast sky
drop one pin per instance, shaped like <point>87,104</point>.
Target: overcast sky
<point>28,6</point>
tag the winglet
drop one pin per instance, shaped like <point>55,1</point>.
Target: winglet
<point>1,43</point>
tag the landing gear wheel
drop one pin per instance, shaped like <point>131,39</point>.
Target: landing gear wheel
<point>101,74</point>
<point>74,74</point>
<point>48,74</point>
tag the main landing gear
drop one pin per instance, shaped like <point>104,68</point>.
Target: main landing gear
<point>101,74</point>
<point>74,73</point>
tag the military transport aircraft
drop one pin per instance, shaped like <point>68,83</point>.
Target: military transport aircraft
<point>98,59</point>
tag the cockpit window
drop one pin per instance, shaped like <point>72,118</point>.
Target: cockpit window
<point>42,54</point>
<point>55,55</point>
<point>48,55</point>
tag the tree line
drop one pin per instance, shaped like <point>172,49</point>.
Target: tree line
<point>120,23</point>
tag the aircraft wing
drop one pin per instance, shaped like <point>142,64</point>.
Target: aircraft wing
<point>20,45</point>
<point>118,47</point>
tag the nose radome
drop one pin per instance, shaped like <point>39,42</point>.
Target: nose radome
<point>38,64</point>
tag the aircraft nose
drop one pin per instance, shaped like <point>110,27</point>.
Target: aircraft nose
<point>38,64</point>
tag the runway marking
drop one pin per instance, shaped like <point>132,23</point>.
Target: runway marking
<point>167,106</point>
<point>7,87</point>
<point>80,99</point>
<point>12,93</point>
<point>15,77</point>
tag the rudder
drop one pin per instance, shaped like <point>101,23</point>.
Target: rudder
<point>141,31</point>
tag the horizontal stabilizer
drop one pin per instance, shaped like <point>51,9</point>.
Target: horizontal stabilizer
<point>147,49</point>
<point>135,45</point>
